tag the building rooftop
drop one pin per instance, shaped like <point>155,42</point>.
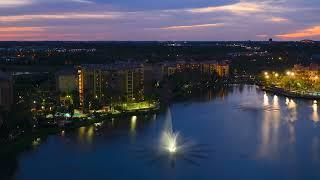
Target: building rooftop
<point>115,66</point>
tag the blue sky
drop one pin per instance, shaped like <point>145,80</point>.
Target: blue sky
<point>159,19</point>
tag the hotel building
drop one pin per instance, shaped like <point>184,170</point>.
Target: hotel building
<point>121,82</point>
<point>207,67</point>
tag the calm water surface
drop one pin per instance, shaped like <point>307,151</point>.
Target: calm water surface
<point>248,134</point>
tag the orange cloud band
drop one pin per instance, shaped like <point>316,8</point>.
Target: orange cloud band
<point>308,32</point>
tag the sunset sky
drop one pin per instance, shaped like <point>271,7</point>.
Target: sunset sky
<point>159,19</point>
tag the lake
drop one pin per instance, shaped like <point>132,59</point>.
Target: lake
<point>237,132</point>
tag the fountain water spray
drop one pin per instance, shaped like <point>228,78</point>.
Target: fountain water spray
<point>173,147</point>
<point>169,138</point>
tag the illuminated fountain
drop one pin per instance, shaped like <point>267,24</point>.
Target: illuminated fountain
<point>172,147</point>
<point>169,138</point>
<point>170,141</point>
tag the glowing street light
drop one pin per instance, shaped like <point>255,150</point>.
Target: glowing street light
<point>288,73</point>
<point>276,75</point>
<point>266,73</point>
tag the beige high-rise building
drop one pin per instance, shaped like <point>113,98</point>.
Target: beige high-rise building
<point>120,82</point>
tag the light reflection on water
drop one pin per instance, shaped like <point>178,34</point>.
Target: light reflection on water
<point>86,134</point>
<point>315,115</point>
<point>265,99</point>
<point>265,127</point>
<point>90,134</point>
<point>270,129</point>
<point>291,117</point>
<point>133,124</point>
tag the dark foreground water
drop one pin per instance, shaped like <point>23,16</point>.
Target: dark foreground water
<point>241,132</point>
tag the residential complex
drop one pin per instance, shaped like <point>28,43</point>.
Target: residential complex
<point>126,82</point>
<point>310,72</point>
<point>122,82</point>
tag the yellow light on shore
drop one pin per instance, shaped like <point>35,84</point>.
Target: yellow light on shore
<point>267,76</point>
<point>276,75</point>
<point>266,73</point>
<point>289,73</point>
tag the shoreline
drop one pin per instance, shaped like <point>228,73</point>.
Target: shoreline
<point>283,92</point>
<point>46,131</point>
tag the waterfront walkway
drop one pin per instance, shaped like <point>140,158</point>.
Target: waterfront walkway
<point>294,94</point>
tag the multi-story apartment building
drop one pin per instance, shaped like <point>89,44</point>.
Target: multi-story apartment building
<point>127,82</point>
<point>207,67</point>
<point>124,82</point>
<point>310,72</point>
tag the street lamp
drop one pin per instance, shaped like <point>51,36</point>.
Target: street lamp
<point>288,73</point>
